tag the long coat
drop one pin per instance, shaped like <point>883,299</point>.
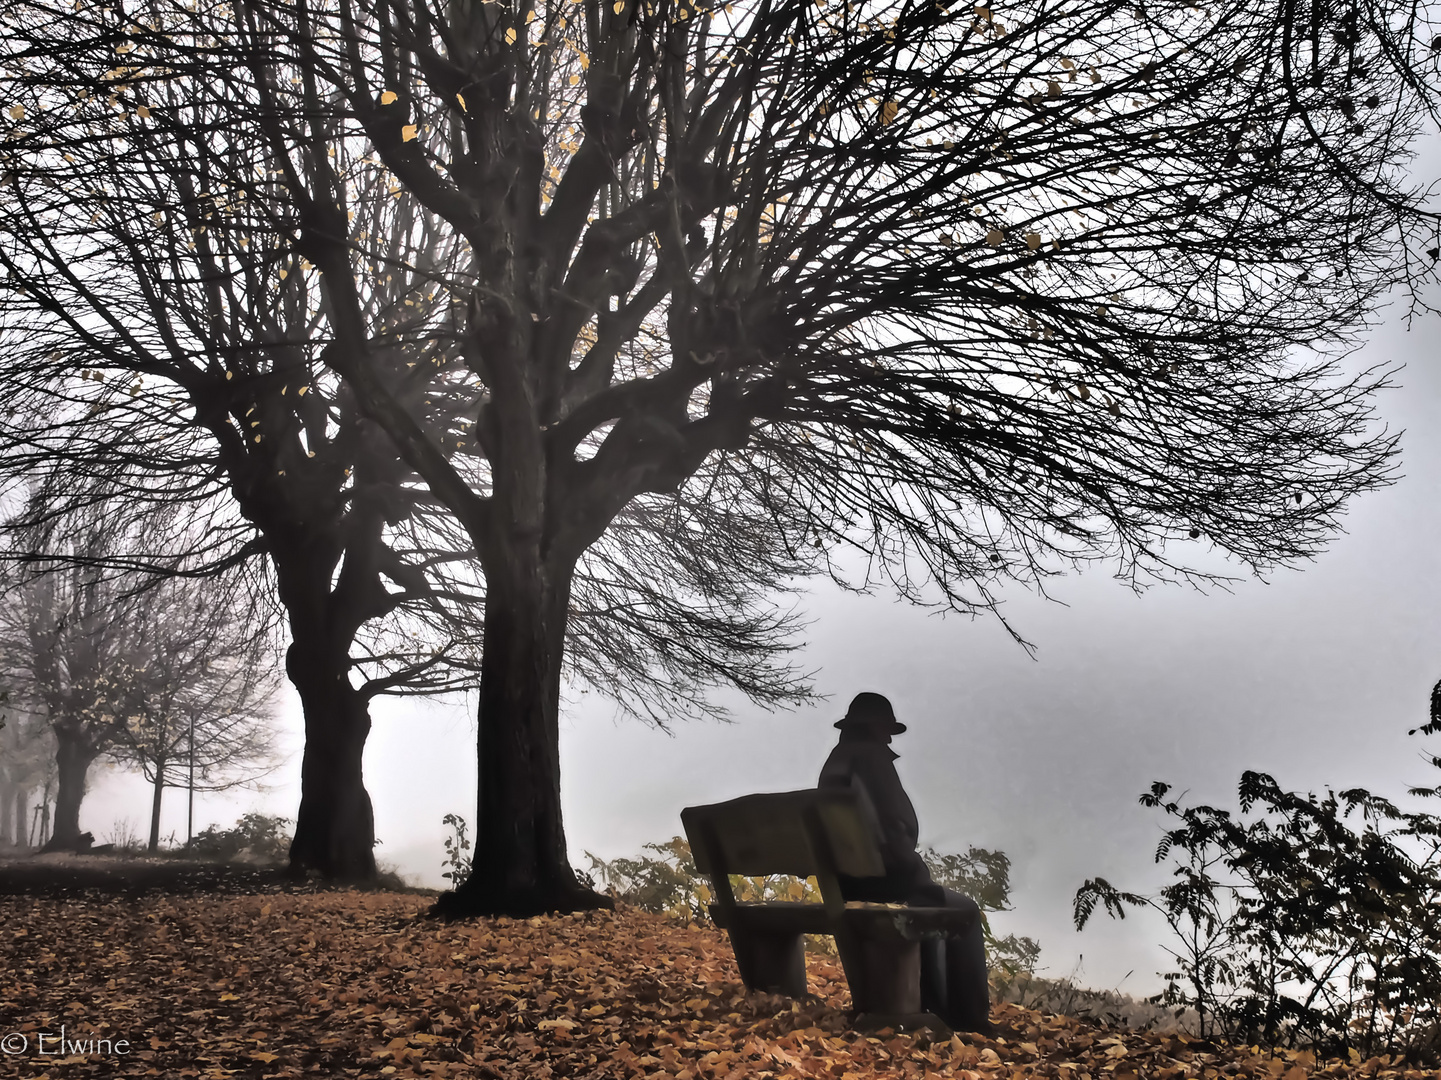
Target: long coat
<point>869,764</point>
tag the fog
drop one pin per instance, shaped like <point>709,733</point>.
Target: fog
<point>1313,676</point>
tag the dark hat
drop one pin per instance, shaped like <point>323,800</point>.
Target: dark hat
<point>873,712</point>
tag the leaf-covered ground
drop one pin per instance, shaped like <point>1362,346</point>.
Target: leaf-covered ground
<point>282,984</point>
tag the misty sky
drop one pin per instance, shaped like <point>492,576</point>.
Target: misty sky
<point>1313,677</point>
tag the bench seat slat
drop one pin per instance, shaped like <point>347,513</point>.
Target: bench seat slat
<point>775,915</point>
<point>870,921</point>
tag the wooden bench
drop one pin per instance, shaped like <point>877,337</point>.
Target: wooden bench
<point>819,832</point>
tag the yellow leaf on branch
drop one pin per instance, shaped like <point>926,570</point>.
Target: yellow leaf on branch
<point>888,111</point>
<point>510,35</point>
<point>407,133</point>
<point>388,97</point>
<point>995,238</point>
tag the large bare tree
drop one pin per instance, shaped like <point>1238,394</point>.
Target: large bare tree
<point>164,347</point>
<point>141,382</point>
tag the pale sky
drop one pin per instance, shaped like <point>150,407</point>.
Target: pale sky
<point>1313,677</point>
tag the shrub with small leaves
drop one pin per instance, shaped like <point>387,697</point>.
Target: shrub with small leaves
<point>985,876</point>
<point>1320,935</point>
<point>258,836</point>
<point>456,846</point>
<point>458,864</point>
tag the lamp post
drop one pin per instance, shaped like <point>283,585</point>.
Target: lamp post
<point>190,814</point>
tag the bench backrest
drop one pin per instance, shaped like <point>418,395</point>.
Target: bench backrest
<point>815,831</point>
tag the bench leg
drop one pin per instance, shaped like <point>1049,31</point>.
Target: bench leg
<point>933,976</point>
<point>885,976</point>
<point>771,962</point>
<point>886,990</point>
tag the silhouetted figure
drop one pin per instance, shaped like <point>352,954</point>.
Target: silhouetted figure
<point>953,972</point>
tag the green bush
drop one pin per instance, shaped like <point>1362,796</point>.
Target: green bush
<point>666,883</point>
<point>985,876</point>
<point>259,836</point>
<point>1299,930</point>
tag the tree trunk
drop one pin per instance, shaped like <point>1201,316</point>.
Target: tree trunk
<point>7,804</point>
<point>520,866</point>
<point>22,813</point>
<point>335,825</point>
<point>155,806</point>
<point>72,758</point>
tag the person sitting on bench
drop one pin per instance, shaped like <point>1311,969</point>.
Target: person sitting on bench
<point>953,973</point>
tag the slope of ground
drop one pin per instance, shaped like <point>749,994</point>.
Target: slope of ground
<point>62,874</point>
<point>283,983</point>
